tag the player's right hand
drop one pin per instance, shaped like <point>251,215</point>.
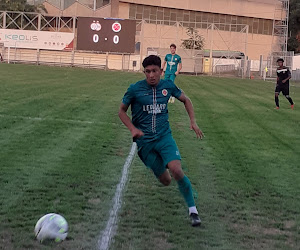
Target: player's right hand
<point>136,133</point>
<point>162,73</point>
<point>197,130</point>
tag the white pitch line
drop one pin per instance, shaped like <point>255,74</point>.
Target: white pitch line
<point>44,119</point>
<point>111,226</point>
<point>53,119</point>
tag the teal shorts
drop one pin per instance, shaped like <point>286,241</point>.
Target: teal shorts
<point>170,77</point>
<point>157,154</point>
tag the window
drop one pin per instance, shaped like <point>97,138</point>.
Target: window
<point>260,26</point>
<point>140,9</point>
<point>216,18</point>
<point>132,11</point>
<point>193,16</point>
<point>168,16</point>
<point>255,25</point>
<point>173,17</point>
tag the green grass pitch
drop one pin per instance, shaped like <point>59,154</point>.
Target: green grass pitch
<point>63,148</point>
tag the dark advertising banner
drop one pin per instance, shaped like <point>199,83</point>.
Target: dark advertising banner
<point>106,35</point>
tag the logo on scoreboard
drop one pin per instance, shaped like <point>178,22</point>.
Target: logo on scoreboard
<point>116,27</point>
<point>96,26</point>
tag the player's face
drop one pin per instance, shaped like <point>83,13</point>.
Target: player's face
<point>173,50</point>
<point>280,64</point>
<point>153,74</point>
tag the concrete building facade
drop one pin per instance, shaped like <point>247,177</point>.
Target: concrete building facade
<point>230,19</point>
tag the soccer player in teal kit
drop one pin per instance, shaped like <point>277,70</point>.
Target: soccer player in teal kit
<point>174,65</point>
<point>150,128</point>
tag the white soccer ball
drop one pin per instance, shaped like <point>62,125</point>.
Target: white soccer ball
<point>52,227</point>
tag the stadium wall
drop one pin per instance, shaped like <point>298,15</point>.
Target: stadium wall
<point>161,36</point>
<point>258,15</point>
<point>251,8</point>
<point>78,9</point>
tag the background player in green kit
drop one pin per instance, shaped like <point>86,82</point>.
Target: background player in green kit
<point>150,128</point>
<point>174,65</point>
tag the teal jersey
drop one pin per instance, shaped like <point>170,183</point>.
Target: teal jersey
<point>149,107</point>
<point>172,63</point>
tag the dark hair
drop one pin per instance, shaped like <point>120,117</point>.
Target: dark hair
<point>280,60</point>
<point>173,45</point>
<point>152,60</point>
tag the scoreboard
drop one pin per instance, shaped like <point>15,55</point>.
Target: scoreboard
<point>106,35</point>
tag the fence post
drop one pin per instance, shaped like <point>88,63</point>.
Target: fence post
<point>261,59</point>
<point>8,55</point>
<point>72,58</point>
<point>15,56</point>
<point>271,67</point>
<point>3,53</point>
<point>4,20</point>
<point>39,21</point>
<point>37,56</point>
<point>249,69</point>
<point>129,61</point>
<point>106,63</point>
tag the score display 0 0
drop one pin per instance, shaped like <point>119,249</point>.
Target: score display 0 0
<point>96,26</point>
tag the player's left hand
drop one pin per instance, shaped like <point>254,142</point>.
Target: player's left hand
<point>283,81</point>
<point>197,130</point>
<point>176,73</point>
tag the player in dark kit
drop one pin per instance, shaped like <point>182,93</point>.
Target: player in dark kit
<point>151,130</point>
<point>283,84</point>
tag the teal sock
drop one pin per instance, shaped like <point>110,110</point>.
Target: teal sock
<point>185,188</point>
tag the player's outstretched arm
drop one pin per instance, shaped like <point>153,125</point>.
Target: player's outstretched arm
<point>136,133</point>
<point>190,110</point>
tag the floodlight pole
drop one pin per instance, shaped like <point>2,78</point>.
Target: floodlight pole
<point>246,53</point>
<point>142,44</point>
<point>280,32</point>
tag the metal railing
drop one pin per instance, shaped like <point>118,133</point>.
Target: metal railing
<point>296,75</point>
<point>71,59</point>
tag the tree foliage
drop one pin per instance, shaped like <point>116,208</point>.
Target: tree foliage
<point>18,5</point>
<point>294,26</point>
<point>195,41</point>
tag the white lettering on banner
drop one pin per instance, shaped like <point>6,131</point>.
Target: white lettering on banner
<point>30,39</point>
